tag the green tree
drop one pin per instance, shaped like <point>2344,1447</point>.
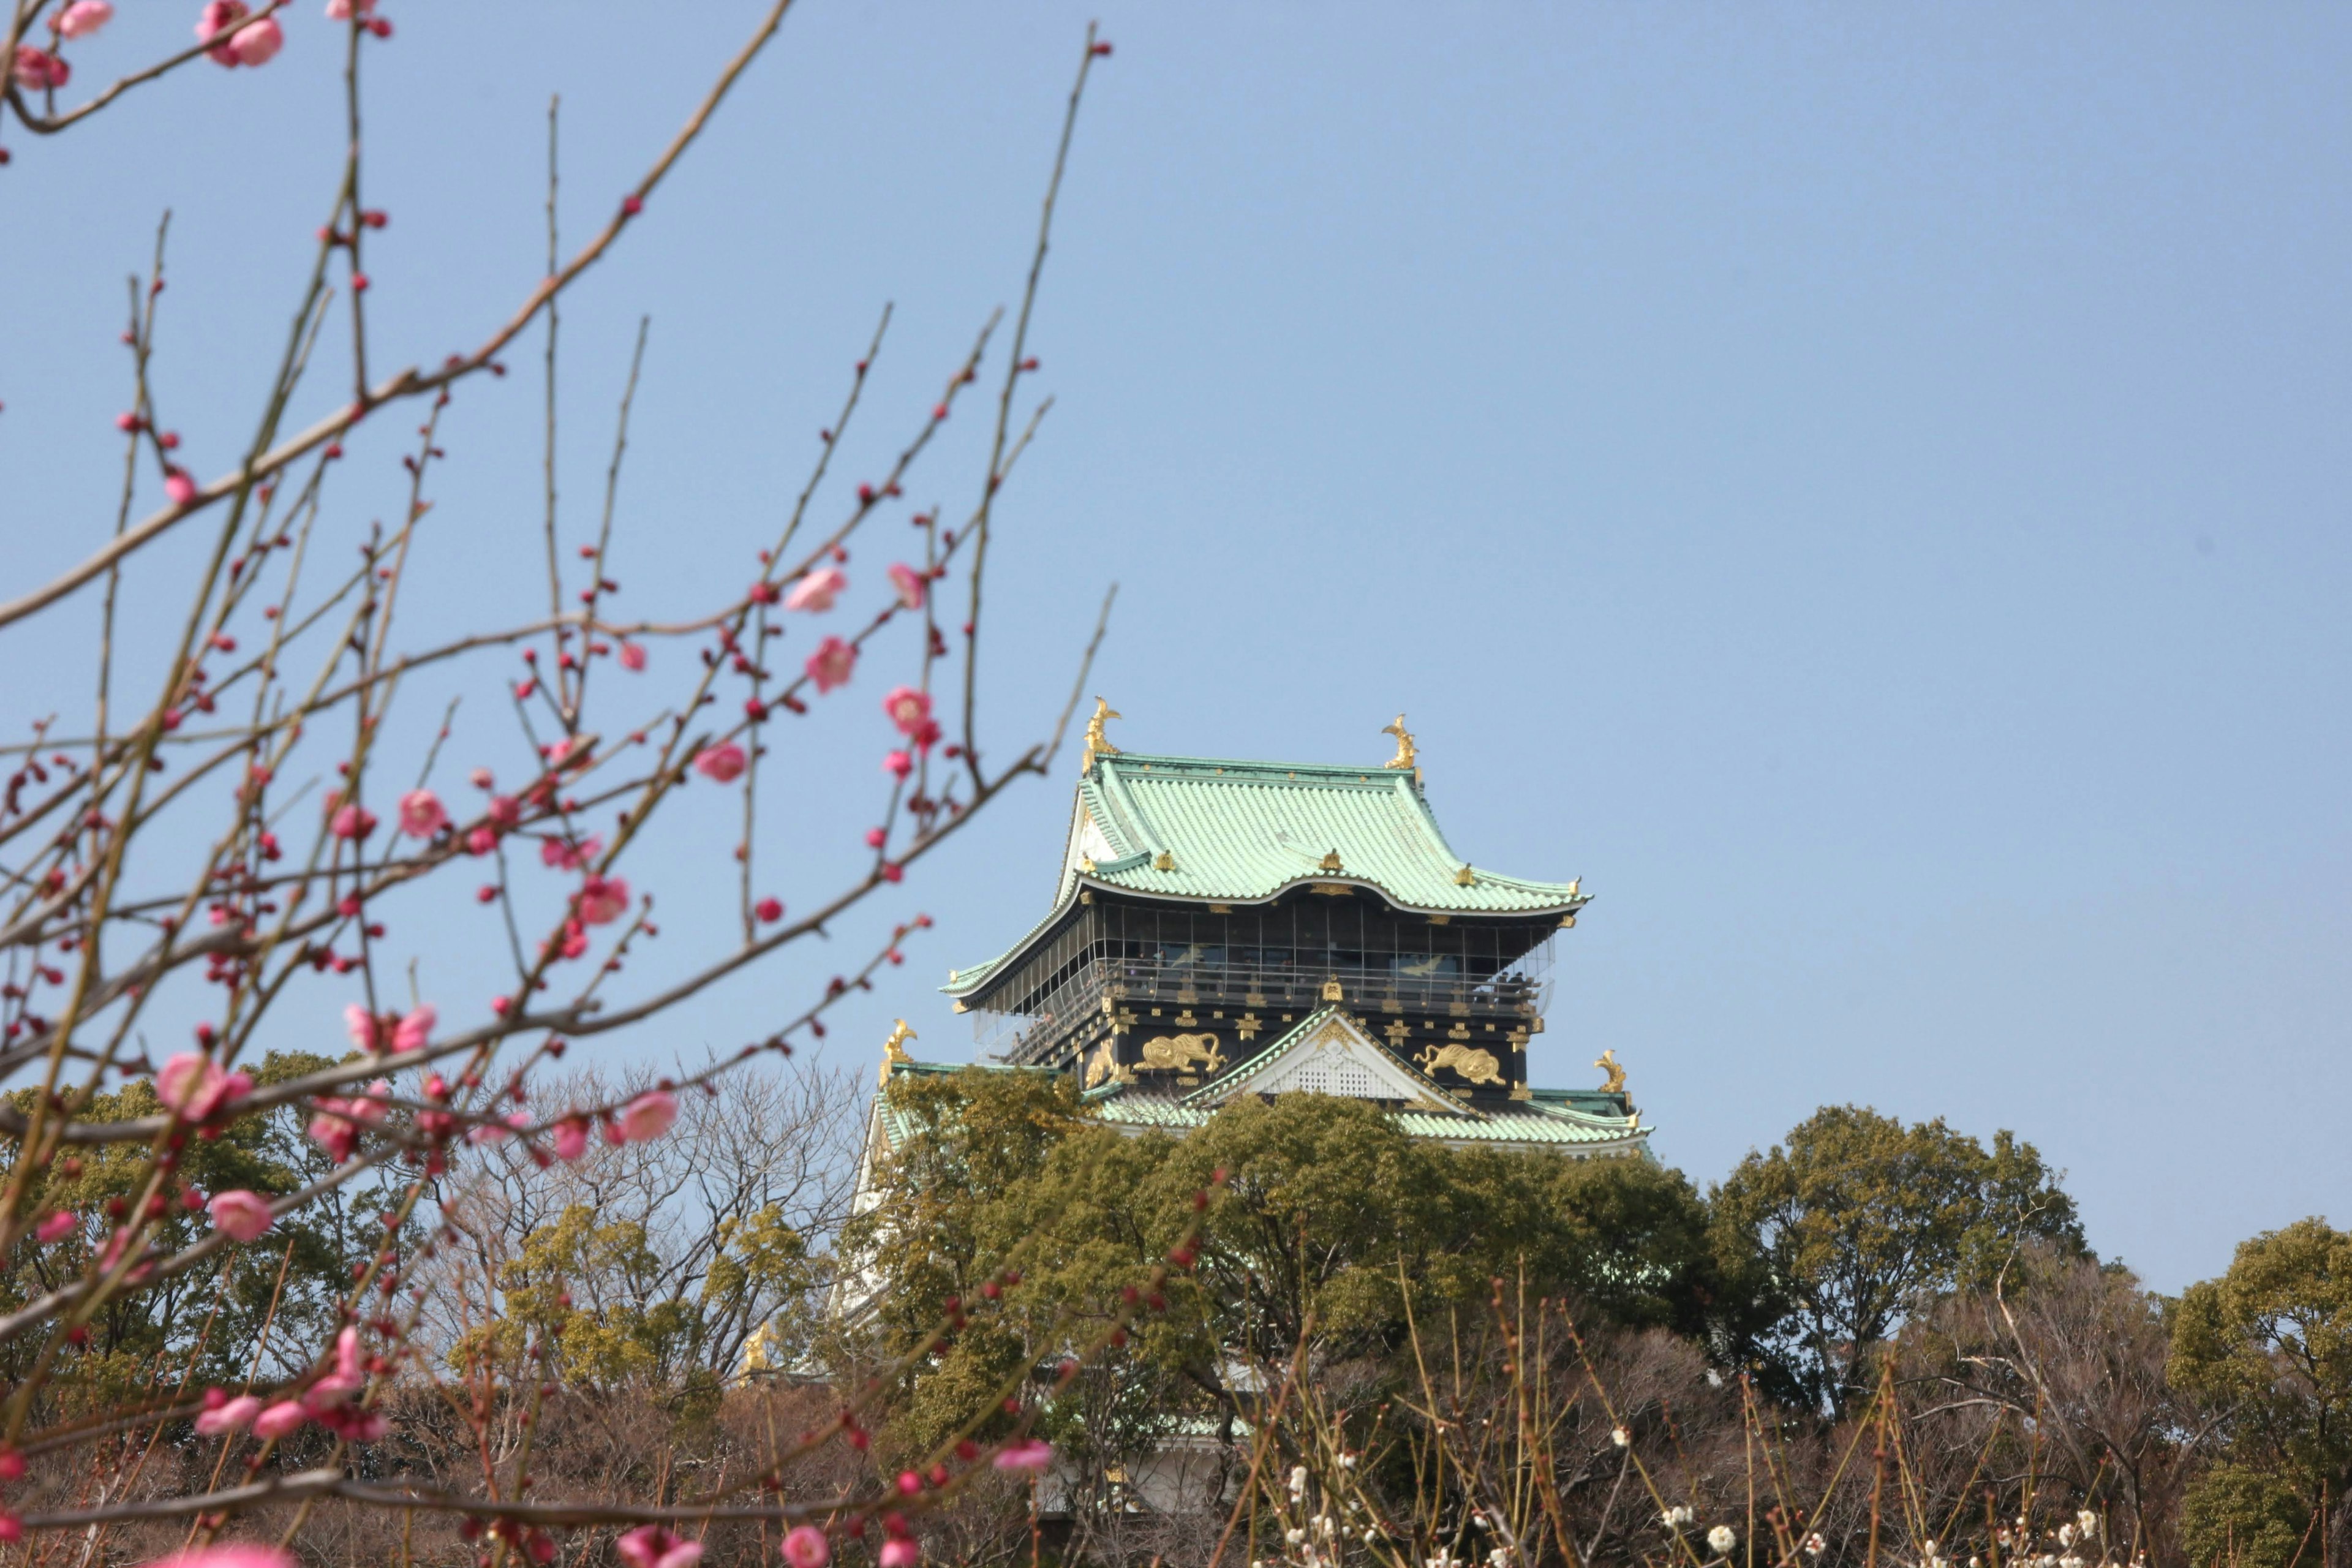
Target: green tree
<point>259,1309</point>
<point>2269,1347</point>
<point>1856,1221</point>
<point>1328,1212</point>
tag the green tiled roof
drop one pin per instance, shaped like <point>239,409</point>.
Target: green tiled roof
<point>1526,1121</point>
<point>1555,1117</point>
<point>1204,830</point>
<point>1244,831</point>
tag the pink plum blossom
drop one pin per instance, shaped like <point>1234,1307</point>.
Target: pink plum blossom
<point>722,762</point>
<point>177,485</point>
<point>235,1416</point>
<point>228,1555</point>
<point>1029,1454</point>
<point>58,1226</point>
<point>632,656</point>
<point>648,1116</point>
<point>907,708</point>
<point>353,821</point>
<point>566,855</point>
<point>216,21</point>
<point>282,1419</point>
<point>84,17</point>
<point>805,1546</point>
<point>240,1215</point>
<point>899,1552</point>
<point>414,1030</point>
<point>344,10</point>
<point>818,590</point>
<point>256,44</point>
<point>603,899</point>
<point>910,584</point>
<point>422,813</point>
<point>195,1086</point>
<point>651,1546</point>
<point>36,68</point>
<point>832,664</point>
<point>897,765</point>
<point>571,1138</point>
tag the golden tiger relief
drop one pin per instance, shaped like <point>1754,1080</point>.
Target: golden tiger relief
<point>1474,1065</point>
<point>1183,1053</point>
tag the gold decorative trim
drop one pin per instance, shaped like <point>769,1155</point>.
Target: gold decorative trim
<point>1330,862</point>
<point>1164,862</point>
<point>1464,878</point>
<point>893,1049</point>
<point>1097,744</point>
<point>1331,991</point>
<point>1406,754</point>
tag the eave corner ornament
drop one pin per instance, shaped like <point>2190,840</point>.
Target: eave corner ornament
<point>893,1049</point>
<point>1609,1064</point>
<point>1407,757</point>
<point>1097,743</point>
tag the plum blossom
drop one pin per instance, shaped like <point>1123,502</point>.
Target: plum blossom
<point>36,68</point>
<point>282,1419</point>
<point>177,485</point>
<point>632,656</point>
<point>648,1116</point>
<point>197,1086</point>
<point>422,813</point>
<point>722,762</point>
<point>228,1555</point>
<point>1721,1540</point>
<point>897,765</point>
<point>832,664</point>
<point>233,1415</point>
<point>568,855</point>
<point>910,585</point>
<point>353,821</point>
<point>344,10</point>
<point>1030,1453</point>
<point>651,1546</point>
<point>899,1552</point>
<point>240,1215</point>
<point>84,17</point>
<point>805,1546</point>
<point>908,709</point>
<point>256,44</point>
<point>218,20</point>
<point>335,1123</point>
<point>603,899</point>
<point>415,1028</point>
<point>571,1138</point>
<point>58,1226</point>
<point>818,590</point>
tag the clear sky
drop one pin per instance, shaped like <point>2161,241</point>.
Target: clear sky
<point>1863,487</point>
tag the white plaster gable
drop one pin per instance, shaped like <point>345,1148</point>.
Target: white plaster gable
<point>1087,842</point>
<point>1334,1057</point>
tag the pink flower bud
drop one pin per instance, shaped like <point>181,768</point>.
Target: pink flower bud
<point>84,17</point>
<point>805,1546</point>
<point>179,487</point>
<point>723,762</point>
<point>282,1419</point>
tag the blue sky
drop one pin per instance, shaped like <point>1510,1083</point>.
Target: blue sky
<point>1862,488</point>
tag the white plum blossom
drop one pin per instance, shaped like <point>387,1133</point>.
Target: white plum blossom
<point>1720,1540</point>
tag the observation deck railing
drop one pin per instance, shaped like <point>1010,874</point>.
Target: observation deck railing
<point>1518,994</point>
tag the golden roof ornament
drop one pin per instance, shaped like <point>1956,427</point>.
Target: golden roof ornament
<point>1097,743</point>
<point>760,1352</point>
<point>1609,1064</point>
<point>893,1049</point>
<point>1407,755</point>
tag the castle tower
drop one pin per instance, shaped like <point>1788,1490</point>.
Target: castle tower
<point>1222,928</point>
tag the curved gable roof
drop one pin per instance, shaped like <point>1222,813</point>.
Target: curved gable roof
<point>1203,830</point>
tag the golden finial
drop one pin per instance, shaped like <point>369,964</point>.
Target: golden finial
<point>1608,1063</point>
<point>1406,757</point>
<point>893,1049</point>
<point>1097,743</point>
